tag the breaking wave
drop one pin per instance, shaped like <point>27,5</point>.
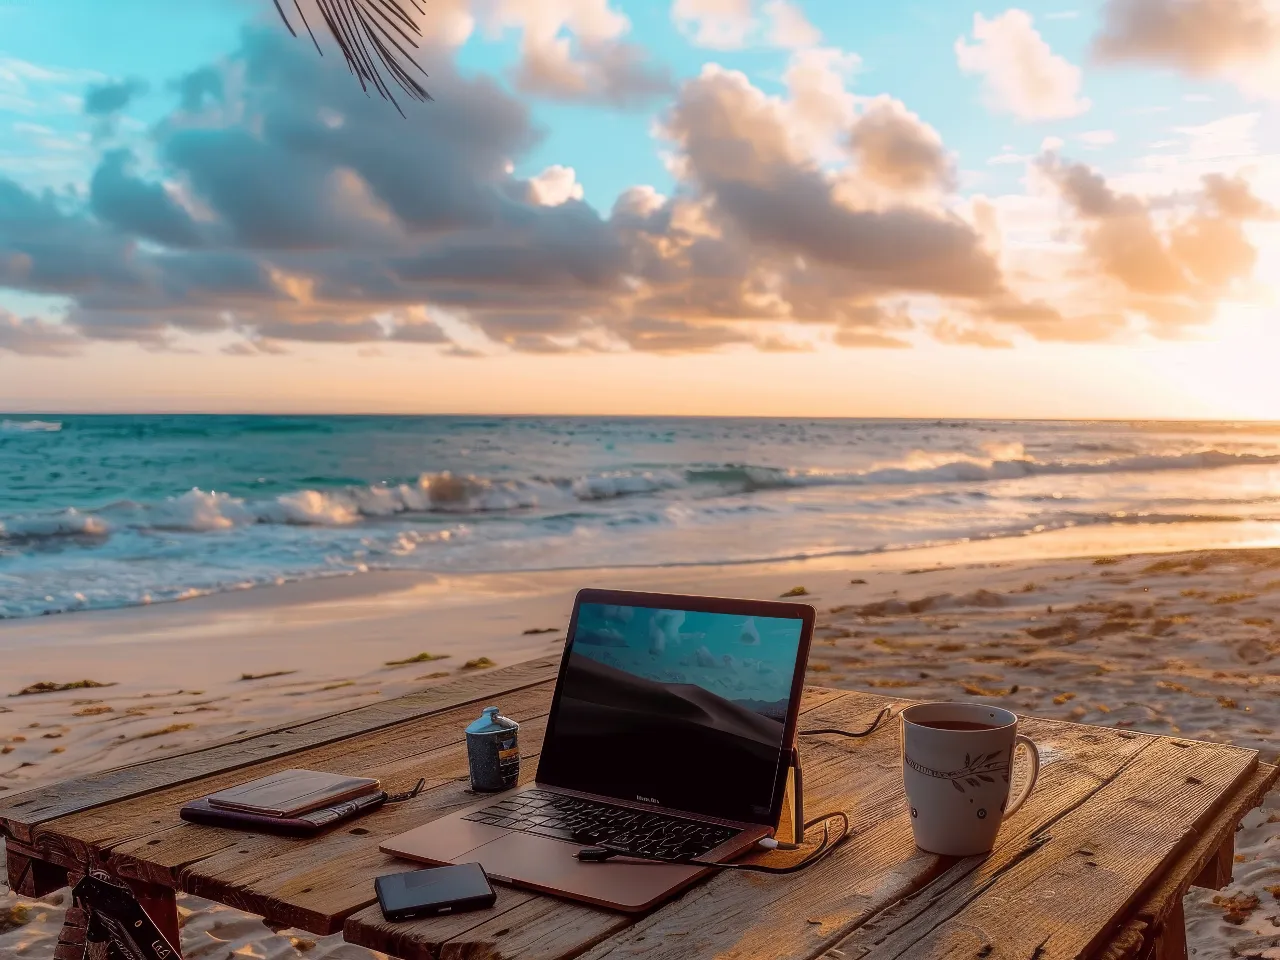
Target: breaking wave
<point>30,426</point>
<point>446,493</point>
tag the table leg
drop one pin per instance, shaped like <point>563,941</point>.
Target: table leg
<point>33,877</point>
<point>161,905</point>
<point>1217,872</point>
<point>71,939</point>
<point>1171,941</point>
<point>29,875</point>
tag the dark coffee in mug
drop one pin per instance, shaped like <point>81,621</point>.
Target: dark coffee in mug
<point>957,767</point>
<point>955,725</point>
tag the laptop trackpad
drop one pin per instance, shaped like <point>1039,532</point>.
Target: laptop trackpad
<point>550,865</point>
<point>442,841</point>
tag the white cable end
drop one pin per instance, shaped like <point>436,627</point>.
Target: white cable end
<point>772,843</point>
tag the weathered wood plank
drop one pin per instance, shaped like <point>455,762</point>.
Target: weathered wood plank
<point>1081,875</point>
<point>1171,940</point>
<point>1217,872</point>
<point>312,884</point>
<point>317,884</point>
<point>520,924</point>
<point>393,755</point>
<point>747,915</point>
<point>316,892</point>
<point>29,874</point>
<point>551,927</point>
<point>24,811</point>
<point>317,888</point>
<point>1166,895</point>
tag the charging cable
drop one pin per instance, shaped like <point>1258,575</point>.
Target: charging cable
<point>885,714</point>
<point>821,852</point>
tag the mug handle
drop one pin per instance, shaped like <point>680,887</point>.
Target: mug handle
<point>1031,780</point>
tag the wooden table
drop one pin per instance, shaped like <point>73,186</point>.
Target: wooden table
<point>1095,864</point>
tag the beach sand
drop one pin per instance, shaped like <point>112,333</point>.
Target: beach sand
<point>1177,643</point>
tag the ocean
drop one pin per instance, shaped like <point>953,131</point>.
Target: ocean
<point>108,511</point>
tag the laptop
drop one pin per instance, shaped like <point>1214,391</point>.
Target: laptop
<point>670,737</point>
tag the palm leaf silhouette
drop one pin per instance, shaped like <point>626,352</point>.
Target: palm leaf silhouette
<point>372,35</point>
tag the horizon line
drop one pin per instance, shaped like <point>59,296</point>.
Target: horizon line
<point>36,414</point>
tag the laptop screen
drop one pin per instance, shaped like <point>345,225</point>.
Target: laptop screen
<point>680,708</point>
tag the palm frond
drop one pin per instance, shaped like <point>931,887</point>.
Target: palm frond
<point>373,36</point>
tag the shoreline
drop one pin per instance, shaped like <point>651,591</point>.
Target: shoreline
<point>1060,544</point>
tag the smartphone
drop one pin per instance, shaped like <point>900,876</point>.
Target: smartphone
<point>434,891</point>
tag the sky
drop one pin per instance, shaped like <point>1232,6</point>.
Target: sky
<point>752,207</point>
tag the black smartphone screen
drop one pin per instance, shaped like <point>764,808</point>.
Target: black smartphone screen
<point>424,893</point>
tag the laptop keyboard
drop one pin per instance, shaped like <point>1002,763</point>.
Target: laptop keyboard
<point>590,823</point>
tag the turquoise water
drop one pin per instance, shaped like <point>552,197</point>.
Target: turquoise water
<point>101,511</point>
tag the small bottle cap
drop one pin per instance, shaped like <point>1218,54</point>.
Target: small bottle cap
<point>492,721</point>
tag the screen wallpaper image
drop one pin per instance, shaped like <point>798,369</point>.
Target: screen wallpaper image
<point>680,708</point>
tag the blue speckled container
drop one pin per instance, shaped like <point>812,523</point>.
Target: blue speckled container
<point>493,751</point>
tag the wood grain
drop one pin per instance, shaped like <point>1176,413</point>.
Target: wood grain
<point>1165,897</point>
<point>1217,872</point>
<point>29,874</point>
<point>20,814</point>
<point>801,915</point>
<point>317,892</point>
<point>396,755</point>
<point>1171,939</point>
<point>1077,878</point>
<point>560,925</point>
<point>1153,815</point>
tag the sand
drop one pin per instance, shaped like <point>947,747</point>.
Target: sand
<point>1179,643</point>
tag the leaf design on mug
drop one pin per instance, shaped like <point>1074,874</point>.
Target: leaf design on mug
<point>985,778</point>
<point>966,760</point>
<point>956,784</point>
<point>972,782</point>
<point>992,756</point>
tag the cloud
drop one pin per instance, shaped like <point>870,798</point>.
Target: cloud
<point>573,50</point>
<point>948,331</point>
<point>1235,39</point>
<point>135,206</point>
<point>719,24</point>
<point>47,248</point>
<point>733,24</point>
<point>740,151</point>
<point>788,26</point>
<point>32,337</point>
<point>199,88</point>
<point>656,335</point>
<point>285,206</point>
<point>894,147</point>
<point>1022,75</point>
<point>1172,270</point>
<point>280,205</point>
<point>555,185</point>
<point>103,99</point>
<point>820,109</point>
<point>1234,198</point>
<point>605,72</point>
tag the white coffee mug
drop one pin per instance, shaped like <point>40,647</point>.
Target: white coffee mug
<point>957,759</point>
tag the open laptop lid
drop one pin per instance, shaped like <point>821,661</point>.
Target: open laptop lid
<point>689,703</point>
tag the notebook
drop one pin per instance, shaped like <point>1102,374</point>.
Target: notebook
<point>291,793</point>
<point>304,825</point>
